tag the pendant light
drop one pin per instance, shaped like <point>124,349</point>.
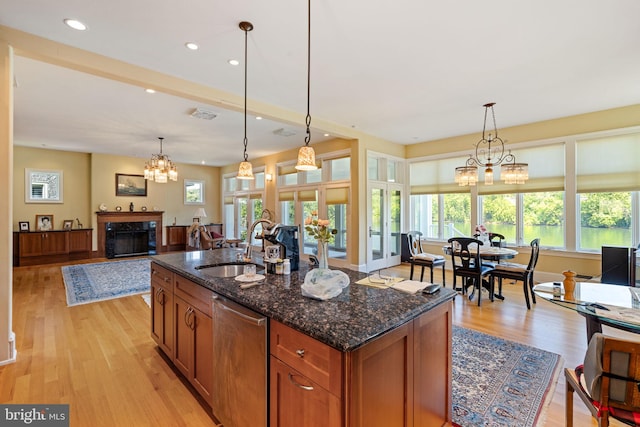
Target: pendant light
<point>160,168</point>
<point>245,171</point>
<point>490,152</point>
<point>306,154</point>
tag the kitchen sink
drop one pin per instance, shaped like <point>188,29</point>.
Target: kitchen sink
<point>227,269</point>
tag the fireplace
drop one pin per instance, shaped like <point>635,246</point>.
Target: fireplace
<point>130,238</point>
<point>155,232</point>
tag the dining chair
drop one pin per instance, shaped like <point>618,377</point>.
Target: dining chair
<point>524,273</point>
<point>608,382</point>
<point>423,259</point>
<point>467,264</point>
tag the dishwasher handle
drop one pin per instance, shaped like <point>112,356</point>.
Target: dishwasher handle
<point>259,321</point>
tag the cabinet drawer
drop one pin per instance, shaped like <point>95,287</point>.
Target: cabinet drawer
<point>313,359</point>
<point>197,296</point>
<point>162,276</point>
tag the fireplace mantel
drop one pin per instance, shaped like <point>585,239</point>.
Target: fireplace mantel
<point>104,217</point>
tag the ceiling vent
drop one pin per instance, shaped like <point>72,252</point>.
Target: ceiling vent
<point>200,113</point>
<point>284,132</point>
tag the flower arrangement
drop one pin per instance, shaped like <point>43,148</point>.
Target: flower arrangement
<point>319,228</point>
<point>481,229</point>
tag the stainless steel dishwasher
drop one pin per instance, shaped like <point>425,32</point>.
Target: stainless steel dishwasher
<point>239,394</point>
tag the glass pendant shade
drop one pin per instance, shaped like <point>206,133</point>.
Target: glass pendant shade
<point>245,171</point>
<point>466,176</point>
<point>488,176</point>
<point>306,159</point>
<point>514,173</point>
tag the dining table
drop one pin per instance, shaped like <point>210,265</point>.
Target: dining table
<point>617,306</point>
<point>492,254</point>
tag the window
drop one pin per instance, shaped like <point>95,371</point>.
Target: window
<point>607,190</point>
<point>193,192</point>
<point>499,215</point>
<point>543,217</point>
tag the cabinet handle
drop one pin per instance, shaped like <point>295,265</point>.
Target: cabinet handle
<point>297,384</point>
<point>160,296</point>
<point>154,272</point>
<point>166,279</point>
<point>189,315</point>
<point>300,352</point>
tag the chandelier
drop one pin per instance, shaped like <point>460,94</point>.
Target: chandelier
<point>490,152</point>
<point>306,154</point>
<point>160,167</point>
<point>245,171</point>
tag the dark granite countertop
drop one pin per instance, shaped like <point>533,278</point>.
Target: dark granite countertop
<point>346,322</point>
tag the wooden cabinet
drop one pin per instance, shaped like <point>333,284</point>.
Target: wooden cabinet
<point>80,242</point>
<point>402,378</point>
<point>43,247</point>
<point>176,237</point>
<point>162,308</point>
<point>306,380</point>
<point>193,328</point>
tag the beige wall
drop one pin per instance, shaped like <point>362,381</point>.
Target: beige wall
<point>89,181</point>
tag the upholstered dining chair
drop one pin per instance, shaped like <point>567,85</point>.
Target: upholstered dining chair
<point>423,259</point>
<point>521,272</point>
<point>608,382</point>
<point>467,264</point>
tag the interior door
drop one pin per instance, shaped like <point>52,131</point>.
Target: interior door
<point>384,212</point>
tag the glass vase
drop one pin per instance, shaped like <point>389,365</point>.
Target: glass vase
<point>323,254</point>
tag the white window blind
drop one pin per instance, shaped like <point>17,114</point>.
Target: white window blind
<point>608,164</point>
<point>436,176</point>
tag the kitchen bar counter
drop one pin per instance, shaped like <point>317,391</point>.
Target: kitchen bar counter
<point>346,322</point>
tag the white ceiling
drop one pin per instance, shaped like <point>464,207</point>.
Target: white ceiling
<point>405,71</point>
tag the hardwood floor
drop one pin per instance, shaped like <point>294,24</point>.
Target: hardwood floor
<point>100,358</point>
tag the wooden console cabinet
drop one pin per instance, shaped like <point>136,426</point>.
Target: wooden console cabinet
<point>46,247</point>
<point>176,237</point>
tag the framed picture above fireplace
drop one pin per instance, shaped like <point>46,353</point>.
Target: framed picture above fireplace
<point>130,185</point>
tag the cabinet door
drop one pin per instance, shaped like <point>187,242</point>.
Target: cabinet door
<point>31,244</point>
<point>202,370</point>
<point>80,241</point>
<point>297,401</point>
<point>382,381</point>
<point>432,341</point>
<point>162,317</point>
<point>55,243</point>
<point>183,319</point>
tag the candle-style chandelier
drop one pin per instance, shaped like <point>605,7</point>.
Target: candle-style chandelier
<point>490,152</point>
<point>160,168</point>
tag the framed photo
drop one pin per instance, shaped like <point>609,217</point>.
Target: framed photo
<point>193,192</point>
<point>24,225</point>
<point>67,224</point>
<point>196,220</point>
<point>130,185</point>
<point>42,186</point>
<point>44,222</point>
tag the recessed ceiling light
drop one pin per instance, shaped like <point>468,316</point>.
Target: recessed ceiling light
<point>202,162</point>
<point>258,118</point>
<point>191,46</point>
<point>75,24</point>
<point>234,62</point>
<point>149,90</point>
<point>326,134</point>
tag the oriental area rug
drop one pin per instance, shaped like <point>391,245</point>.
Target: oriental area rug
<point>86,283</point>
<point>497,382</point>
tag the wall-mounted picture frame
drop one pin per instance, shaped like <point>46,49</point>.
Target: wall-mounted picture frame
<point>43,186</point>
<point>196,220</point>
<point>23,225</point>
<point>44,222</point>
<point>193,192</point>
<point>67,224</point>
<point>131,185</point>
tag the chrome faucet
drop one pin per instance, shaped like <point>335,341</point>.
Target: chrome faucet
<point>270,224</point>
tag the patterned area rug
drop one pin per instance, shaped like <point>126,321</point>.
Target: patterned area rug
<point>498,382</point>
<point>87,283</point>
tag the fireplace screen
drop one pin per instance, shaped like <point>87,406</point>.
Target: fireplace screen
<point>130,238</point>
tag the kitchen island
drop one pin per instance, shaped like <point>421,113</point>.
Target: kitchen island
<point>373,357</point>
